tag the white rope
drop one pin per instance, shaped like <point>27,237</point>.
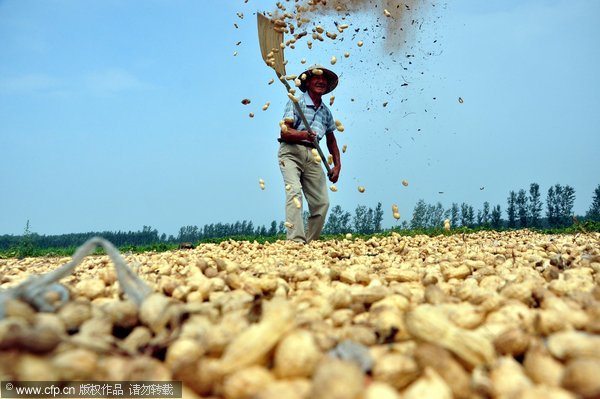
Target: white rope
<point>36,289</point>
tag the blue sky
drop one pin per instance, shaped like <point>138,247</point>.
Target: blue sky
<point>119,114</point>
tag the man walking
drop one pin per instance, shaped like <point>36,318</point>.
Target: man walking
<point>301,173</point>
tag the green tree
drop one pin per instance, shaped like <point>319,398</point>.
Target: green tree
<point>567,200</point>
<point>464,214</point>
<point>522,208</point>
<point>435,215</point>
<point>511,210</point>
<point>148,236</point>
<point>560,203</point>
<point>334,221</point>
<point>369,221</point>
<point>363,219</point>
<point>338,222</point>
<point>345,222</point>
<point>552,207</point>
<point>496,218</point>
<point>261,231</point>
<point>273,229</point>
<point>535,205</point>
<point>419,214</point>
<point>454,214</point>
<point>249,228</point>
<point>26,246</point>
<point>189,234</point>
<point>377,218</point>
<point>470,216</point>
<point>485,215</point>
<point>594,212</point>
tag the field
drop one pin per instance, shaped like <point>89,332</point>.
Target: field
<point>483,315</point>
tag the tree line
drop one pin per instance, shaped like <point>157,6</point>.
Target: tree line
<point>365,220</point>
<point>524,209</point>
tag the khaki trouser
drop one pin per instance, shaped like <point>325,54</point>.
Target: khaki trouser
<point>302,173</point>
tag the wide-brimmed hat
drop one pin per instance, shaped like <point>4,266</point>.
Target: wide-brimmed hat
<point>332,78</point>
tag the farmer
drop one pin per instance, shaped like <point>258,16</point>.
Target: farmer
<point>298,166</point>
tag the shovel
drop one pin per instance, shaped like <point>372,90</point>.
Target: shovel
<point>270,40</point>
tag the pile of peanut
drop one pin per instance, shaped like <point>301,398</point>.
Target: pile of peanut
<point>486,315</point>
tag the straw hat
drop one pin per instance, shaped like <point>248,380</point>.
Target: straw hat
<point>332,78</point>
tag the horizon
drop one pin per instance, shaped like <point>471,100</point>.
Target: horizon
<point>504,219</point>
<point>115,115</point>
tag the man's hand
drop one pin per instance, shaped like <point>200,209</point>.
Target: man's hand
<point>335,153</point>
<point>335,174</point>
<point>310,136</point>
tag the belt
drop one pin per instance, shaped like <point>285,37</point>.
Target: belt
<point>304,143</point>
